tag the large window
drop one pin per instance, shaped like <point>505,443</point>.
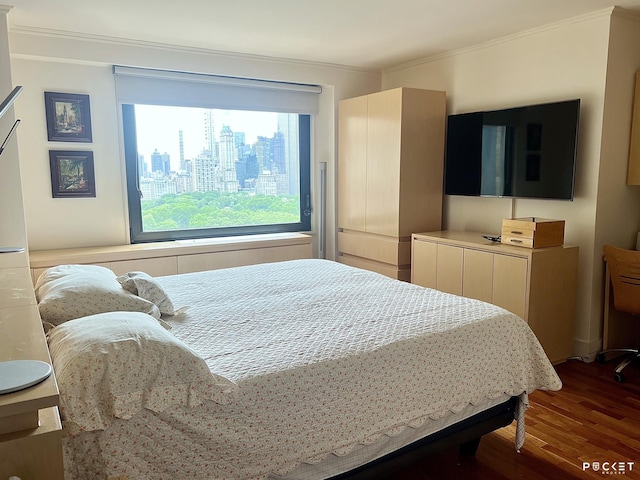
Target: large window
<point>197,170</point>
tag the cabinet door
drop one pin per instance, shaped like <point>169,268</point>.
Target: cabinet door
<point>383,163</point>
<point>34,453</point>
<point>478,275</point>
<point>510,283</point>
<point>352,167</point>
<point>237,258</point>
<point>422,161</point>
<point>155,267</point>
<point>449,269</point>
<point>423,263</point>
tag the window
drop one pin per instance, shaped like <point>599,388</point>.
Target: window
<point>197,168</point>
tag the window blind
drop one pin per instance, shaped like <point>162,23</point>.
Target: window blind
<point>183,89</point>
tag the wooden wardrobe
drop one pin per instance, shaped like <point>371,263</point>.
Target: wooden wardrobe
<point>390,176</point>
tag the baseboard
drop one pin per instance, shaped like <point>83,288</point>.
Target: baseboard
<point>587,351</point>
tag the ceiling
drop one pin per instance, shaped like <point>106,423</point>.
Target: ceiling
<point>370,34</point>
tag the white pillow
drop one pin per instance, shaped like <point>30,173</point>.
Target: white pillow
<point>145,286</point>
<point>112,365</point>
<point>73,291</point>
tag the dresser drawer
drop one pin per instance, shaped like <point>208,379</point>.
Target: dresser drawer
<point>520,241</point>
<point>390,250</point>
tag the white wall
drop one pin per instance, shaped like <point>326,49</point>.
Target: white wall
<point>618,207</point>
<point>12,224</point>
<point>559,62</point>
<point>65,63</point>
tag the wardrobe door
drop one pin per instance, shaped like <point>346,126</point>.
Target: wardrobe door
<point>352,163</point>
<point>383,163</point>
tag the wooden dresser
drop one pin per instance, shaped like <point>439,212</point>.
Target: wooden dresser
<point>537,284</point>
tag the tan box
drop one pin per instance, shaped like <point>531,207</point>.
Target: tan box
<point>532,232</point>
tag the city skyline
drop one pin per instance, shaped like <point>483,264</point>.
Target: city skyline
<point>158,128</point>
<point>249,158</point>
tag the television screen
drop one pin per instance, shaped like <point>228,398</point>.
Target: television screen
<point>524,152</point>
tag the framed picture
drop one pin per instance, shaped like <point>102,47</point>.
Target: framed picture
<point>72,174</point>
<point>68,117</point>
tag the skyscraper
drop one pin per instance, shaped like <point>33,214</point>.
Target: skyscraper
<point>288,126</point>
<point>181,140</point>
<point>262,149</point>
<point>209,133</point>
<point>204,173</point>
<point>278,153</point>
<point>228,157</point>
<point>160,162</point>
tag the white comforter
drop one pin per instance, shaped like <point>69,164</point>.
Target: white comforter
<point>326,357</point>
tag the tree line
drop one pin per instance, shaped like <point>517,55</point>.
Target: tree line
<point>217,209</point>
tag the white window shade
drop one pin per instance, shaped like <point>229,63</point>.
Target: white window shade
<point>162,87</point>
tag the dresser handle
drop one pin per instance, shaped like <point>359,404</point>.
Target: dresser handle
<point>515,232</point>
<point>513,240</point>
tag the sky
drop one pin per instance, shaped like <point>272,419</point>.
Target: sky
<point>157,127</point>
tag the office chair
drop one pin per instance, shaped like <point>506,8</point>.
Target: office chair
<point>624,268</point>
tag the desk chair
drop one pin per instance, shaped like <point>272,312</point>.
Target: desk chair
<point>624,268</point>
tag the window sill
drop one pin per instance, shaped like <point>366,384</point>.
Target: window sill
<point>180,256</point>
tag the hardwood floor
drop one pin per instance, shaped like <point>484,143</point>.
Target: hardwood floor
<point>592,419</point>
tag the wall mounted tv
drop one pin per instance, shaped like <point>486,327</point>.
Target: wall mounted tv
<point>524,152</point>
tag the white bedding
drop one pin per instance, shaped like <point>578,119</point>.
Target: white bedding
<point>326,358</point>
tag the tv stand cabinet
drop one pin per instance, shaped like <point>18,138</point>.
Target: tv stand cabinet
<point>537,284</point>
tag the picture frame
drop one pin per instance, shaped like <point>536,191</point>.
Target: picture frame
<point>72,174</point>
<point>68,117</point>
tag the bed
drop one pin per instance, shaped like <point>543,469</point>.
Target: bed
<point>306,369</point>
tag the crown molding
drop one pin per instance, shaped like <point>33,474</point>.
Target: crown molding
<point>626,13</point>
<point>129,42</point>
<point>606,12</point>
<point>5,8</point>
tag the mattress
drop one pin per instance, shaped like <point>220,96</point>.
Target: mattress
<point>362,454</point>
<point>328,359</point>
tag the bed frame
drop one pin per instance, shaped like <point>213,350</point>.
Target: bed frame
<point>465,434</point>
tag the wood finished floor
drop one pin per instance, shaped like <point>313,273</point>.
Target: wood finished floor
<point>592,419</point>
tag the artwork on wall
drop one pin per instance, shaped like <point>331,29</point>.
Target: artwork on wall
<point>72,174</point>
<point>68,117</point>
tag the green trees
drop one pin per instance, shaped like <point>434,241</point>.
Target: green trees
<point>216,209</point>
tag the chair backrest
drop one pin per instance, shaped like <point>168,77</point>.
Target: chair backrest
<point>624,268</point>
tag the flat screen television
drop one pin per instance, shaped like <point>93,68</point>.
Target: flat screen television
<point>523,152</point>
